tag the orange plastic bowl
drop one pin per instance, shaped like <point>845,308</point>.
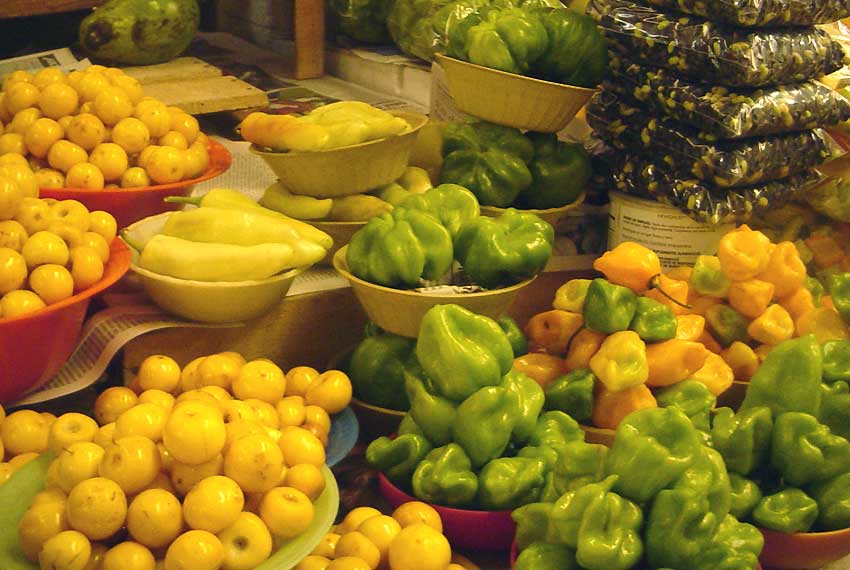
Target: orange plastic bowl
<point>130,205</point>
<point>465,529</point>
<point>34,347</point>
<point>805,549</point>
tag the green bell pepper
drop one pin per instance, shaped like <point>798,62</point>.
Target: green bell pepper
<point>451,204</point>
<point>653,321</point>
<point>839,290</point>
<point>408,425</point>
<point>495,252</point>
<point>506,483</point>
<point>836,360</point>
<point>680,526</point>
<point>560,172</point>
<point>445,477</point>
<point>835,407</point>
<point>483,136</point>
<point>726,324</point>
<point>789,378</point>
<point>532,524</point>
<point>652,448</point>
<point>401,248</point>
<point>509,39</point>
<point>577,54</point>
<point>495,177</point>
<point>515,335</point>
<point>461,351</point>
<point>572,394</point>
<point>816,288</point>
<point>735,546</point>
<point>609,308</point>
<point>833,499</point>
<point>398,457</point>
<point>376,370</point>
<point>434,415</point>
<point>545,556</point>
<point>555,429</point>
<point>530,396</point>
<point>708,477</point>
<point>743,439</point>
<point>790,511</point>
<point>691,397</point>
<point>745,495</point>
<point>707,278</point>
<point>805,450</point>
<point>484,423</point>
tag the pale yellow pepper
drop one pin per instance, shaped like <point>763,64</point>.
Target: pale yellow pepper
<point>570,296</point>
<point>621,361</point>
<point>784,269</point>
<point>690,327</point>
<point>773,326</point>
<point>743,253</point>
<point>741,359</point>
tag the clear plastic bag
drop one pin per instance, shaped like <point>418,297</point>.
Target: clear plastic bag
<point>762,13</point>
<point>724,164</point>
<point>731,113</point>
<point>637,175</point>
<point>716,53</point>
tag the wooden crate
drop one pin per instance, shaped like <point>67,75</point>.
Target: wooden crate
<point>22,8</point>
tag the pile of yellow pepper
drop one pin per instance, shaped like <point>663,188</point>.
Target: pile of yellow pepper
<point>639,330</point>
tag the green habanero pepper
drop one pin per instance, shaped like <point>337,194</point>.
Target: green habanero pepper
<point>707,278</point>
<point>506,483</point>
<point>532,524</point>
<point>608,308</point>
<point>515,335</point>
<point>555,429</point>
<point>579,464</point>
<point>545,556</point>
<point>789,378</point>
<point>496,252</point>
<point>736,546</point>
<point>680,526</point>
<point>839,290</point>
<point>836,360</point>
<point>653,321</point>
<point>571,295</point>
<point>572,394</point>
<point>743,439</point>
<point>789,511</point>
<point>461,351</point>
<point>726,324</point>
<point>398,457</point>
<point>484,423</point>
<point>530,396</point>
<point>833,499</point>
<point>805,450</point>
<point>709,478</point>
<point>745,495</point>
<point>691,397</point>
<point>445,477</point>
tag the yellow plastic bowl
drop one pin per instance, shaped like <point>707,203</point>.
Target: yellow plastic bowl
<point>400,311</point>
<point>551,215</point>
<point>347,170</point>
<point>510,99</point>
<point>206,301</point>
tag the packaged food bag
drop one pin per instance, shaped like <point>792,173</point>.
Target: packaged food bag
<point>762,13</point>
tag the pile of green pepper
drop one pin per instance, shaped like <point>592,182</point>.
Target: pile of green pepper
<point>421,239</point>
<point>475,435</point>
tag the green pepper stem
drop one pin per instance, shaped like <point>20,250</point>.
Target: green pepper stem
<point>130,241</point>
<point>653,284</point>
<point>195,201</point>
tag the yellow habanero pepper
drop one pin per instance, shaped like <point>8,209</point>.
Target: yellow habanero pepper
<point>741,359</point>
<point>750,297</point>
<point>621,362</point>
<point>784,269</point>
<point>715,374</point>
<point>674,360</point>
<point>670,292</point>
<point>570,296</point>
<point>710,342</point>
<point>582,348</point>
<point>773,326</point>
<point>629,264</point>
<point>700,304</point>
<point>743,253</point>
<point>610,408</point>
<point>552,330</point>
<point>825,323</point>
<point>681,273</point>
<point>542,368</point>
<point>690,327</point>
<point>798,303</point>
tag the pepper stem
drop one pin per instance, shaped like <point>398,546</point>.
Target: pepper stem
<point>195,201</point>
<point>130,241</point>
<point>654,283</point>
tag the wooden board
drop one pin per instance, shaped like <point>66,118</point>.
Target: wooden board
<point>20,8</point>
<point>207,94</point>
<point>175,70</point>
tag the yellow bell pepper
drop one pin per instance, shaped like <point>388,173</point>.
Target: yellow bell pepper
<point>551,331</point>
<point>621,362</point>
<point>798,303</point>
<point>681,273</point>
<point>629,264</point>
<point>582,348</point>
<point>710,342</point>
<point>785,270</point>
<point>825,323</point>
<point>540,367</point>
<point>750,297</point>
<point>743,253</point>
<point>690,327</point>
<point>670,292</point>
<point>715,374</point>
<point>773,326</point>
<point>674,360</point>
<point>610,408</point>
<point>825,250</point>
<point>570,296</point>
<point>741,359</point>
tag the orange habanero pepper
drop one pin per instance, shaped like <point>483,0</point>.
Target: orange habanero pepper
<point>629,264</point>
<point>540,367</point>
<point>690,327</point>
<point>610,408</point>
<point>552,330</point>
<point>674,360</point>
<point>582,348</point>
<point>798,303</point>
<point>750,297</point>
<point>715,374</point>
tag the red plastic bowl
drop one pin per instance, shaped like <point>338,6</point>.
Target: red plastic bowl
<point>465,529</point>
<point>805,549</point>
<point>34,347</point>
<point>130,205</point>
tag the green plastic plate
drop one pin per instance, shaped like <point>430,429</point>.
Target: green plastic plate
<point>17,493</point>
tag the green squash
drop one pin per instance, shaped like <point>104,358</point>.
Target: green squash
<point>140,32</point>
